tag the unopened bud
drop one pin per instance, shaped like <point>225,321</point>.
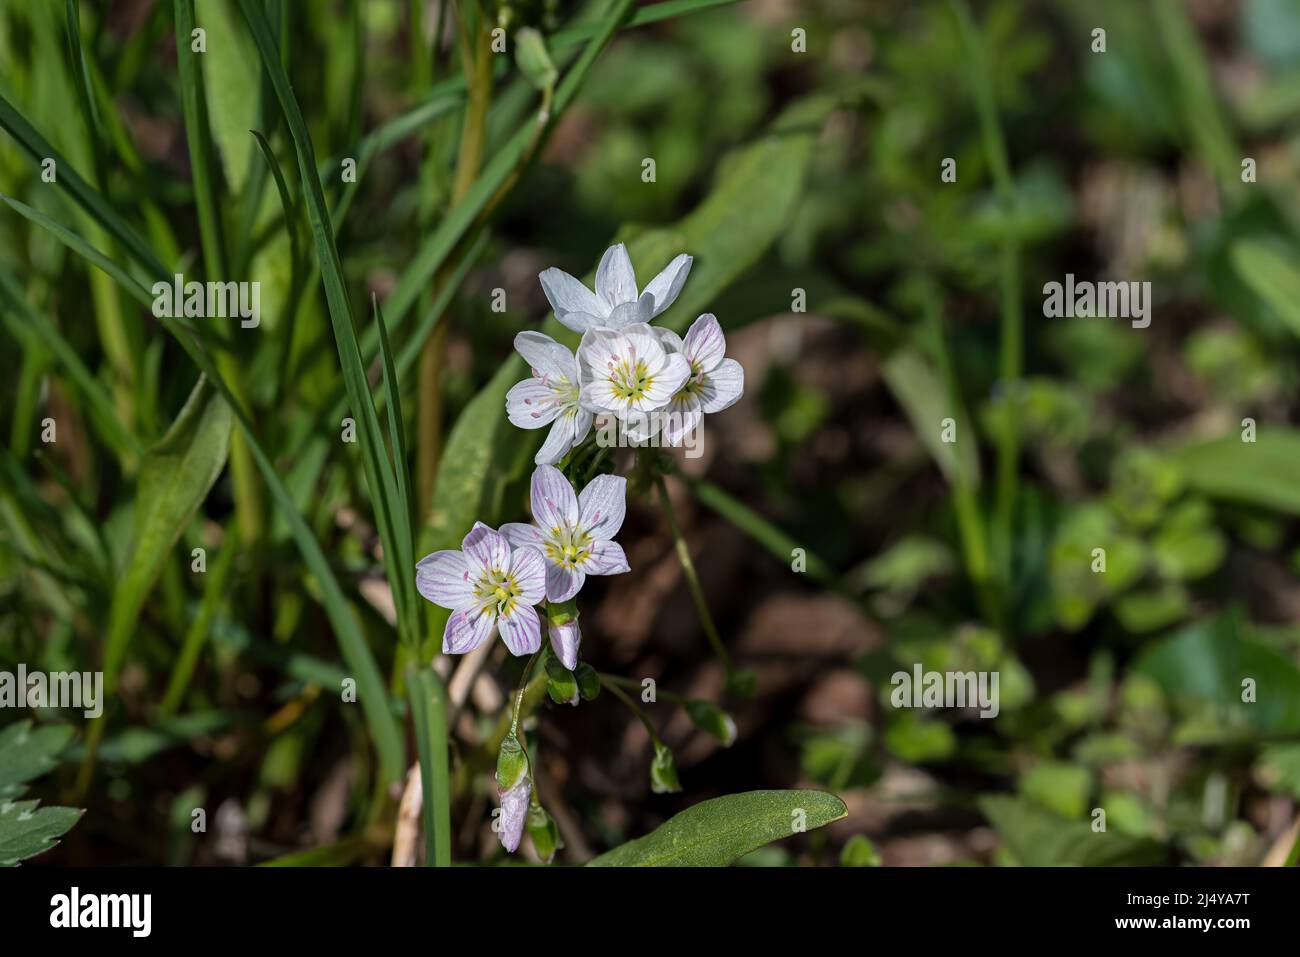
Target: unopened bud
<point>663,772</point>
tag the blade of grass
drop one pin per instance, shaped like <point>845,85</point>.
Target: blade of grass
<point>428,699</point>
<point>356,652</point>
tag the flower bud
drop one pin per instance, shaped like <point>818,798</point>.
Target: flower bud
<point>512,764</point>
<point>514,813</point>
<point>561,685</point>
<point>709,717</point>
<point>588,681</point>
<point>562,619</point>
<point>533,60</point>
<point>544,833</point>
<point>663,772</point>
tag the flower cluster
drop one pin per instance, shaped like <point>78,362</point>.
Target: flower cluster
<point>648,379</point>
<point>645,377</point>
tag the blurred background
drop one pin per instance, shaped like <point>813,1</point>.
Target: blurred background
<point>799,150</point>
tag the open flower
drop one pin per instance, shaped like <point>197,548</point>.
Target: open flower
<point>714,383</point>
<point>489,587</point>
<point>629,374</point>
<point>573,532</point>
<point>549,397</point>
<point>615,303</point>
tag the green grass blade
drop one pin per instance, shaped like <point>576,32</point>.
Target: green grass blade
<point>198,134</point>
<point>370,685</point>
<point>428,698</point>
<point>82,192</point>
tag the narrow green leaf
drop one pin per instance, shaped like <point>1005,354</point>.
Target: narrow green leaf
<point>715,833</point>
<point>1265,472</point>
<point>1271,276</point>
<point>428,699</point>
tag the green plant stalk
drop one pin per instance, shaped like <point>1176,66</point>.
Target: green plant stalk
<point>198,134</point>
<point>428,697</point>
<point>478,71</point>
<point>635,708</point>
<point>692,579</point>
<point>1010,355</point>
<point>213,594</point>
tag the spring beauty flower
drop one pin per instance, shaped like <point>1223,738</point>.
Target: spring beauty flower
<point>549,396</point>
<point>615,303</point>
<point>574,532</point>
<point>629,374</point>
<point>714,382</point>
<point>490,587</point>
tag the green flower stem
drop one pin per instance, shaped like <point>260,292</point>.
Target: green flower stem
<point>693,580</point>
<point>523,687</point>
<point>632,706</point>
<point>486,755</point>
<point>670,696</point>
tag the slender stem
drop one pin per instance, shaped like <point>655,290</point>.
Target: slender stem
<point>519,692</point>
<point>632,683</point>
<point>632,706</point>
<point>692,579</point>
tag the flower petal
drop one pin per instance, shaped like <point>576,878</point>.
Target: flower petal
<point>667,381</point>
<point>486,550</point>
<point>581,321</point>
<point>546,356</point>
<point>521,630</point>
<point>514,814</point>
<point>705,343</point>
<point>558,441</point>
<point>681,417</point>
<point>563,583</point>
<point>581,425</point>
<point>531,404</point>
<point>554,504</point>
<point>670,340</point>
<point>629,313</point>
<point>607,558</point>
<point>528,568</point>
<point>520,535</point>
<point>567,294</point>
<point>723,386</point>
<point>565,640</point>
<point>466,630</point>
<point>603,504</point>
<point>666,286</point>
<point>443,578</point>
<point>615,280</point>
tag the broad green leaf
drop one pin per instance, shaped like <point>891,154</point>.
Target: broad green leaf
<point>1207,663</point>
<point>714,833</point>
<point>1037,837</point>
<point>232,88</point>
<point>26,752</point>
<point>1265,472</point>
<point>175,476</point>
<point>1271,276</point>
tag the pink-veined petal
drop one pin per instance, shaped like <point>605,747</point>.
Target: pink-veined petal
<point>563,583</point>
<point>546,356</point>
<point>520,535</point>
<point>581,425</point>
<point>607,558</point>
<point>670,340</point>
<point>528,568</point>
<point>443,578</point>
<point>668,284</point>
<point>599,350</point>
<point>603,504</point>
<point>520,630</point>
<point>681,417</point>
<point>514,814</point>
<point>723,386</point>
<point>705,343</point>
<point>567,294</point>
<point>530,404</point>
<point>558,441</point>
<point>466,630</point>
<point>486,550</point>
<point>666,381</point>
<point>565,640</point>
<point>554,503</point>
<point>615,280</point>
